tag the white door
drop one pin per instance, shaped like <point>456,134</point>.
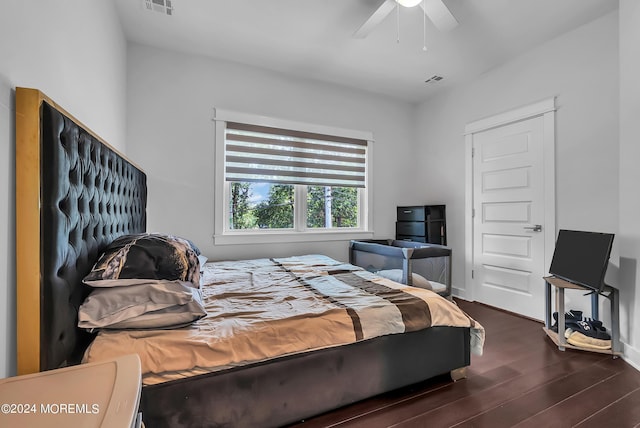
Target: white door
<point>509,217</point>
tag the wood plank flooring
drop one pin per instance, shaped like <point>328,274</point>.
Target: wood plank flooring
<point>522,380</point>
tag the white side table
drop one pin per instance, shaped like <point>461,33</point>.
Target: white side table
<point>102,394</point>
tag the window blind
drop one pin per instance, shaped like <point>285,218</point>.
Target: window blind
<point>264,154</point>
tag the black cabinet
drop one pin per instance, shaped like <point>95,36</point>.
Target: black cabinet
<point>422,223</point>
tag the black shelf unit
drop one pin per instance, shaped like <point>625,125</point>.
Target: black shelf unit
<point>422,223</point>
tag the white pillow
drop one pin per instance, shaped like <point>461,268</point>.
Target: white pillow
<point>396,275</point>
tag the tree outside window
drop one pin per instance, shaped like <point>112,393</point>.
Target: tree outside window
<point>272,206</point>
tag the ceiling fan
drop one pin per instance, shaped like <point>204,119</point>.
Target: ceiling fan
<point>435,10</point>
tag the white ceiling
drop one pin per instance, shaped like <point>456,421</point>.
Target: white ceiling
<point>313,39</point>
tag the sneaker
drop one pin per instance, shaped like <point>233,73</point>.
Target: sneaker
<point>569,317</point>
<point>590,329</point>
<point>601,331</point>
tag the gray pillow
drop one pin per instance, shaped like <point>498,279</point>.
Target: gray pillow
<point>158,304</point>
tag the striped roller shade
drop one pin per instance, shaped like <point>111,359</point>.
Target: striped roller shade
<point>263,154</point>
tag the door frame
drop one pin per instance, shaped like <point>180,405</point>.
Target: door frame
<point>545,108</point>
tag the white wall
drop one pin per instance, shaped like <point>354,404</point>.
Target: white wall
<point>74,51</point>
<point>170,134</point>
<point>7,234</point>
<point>580,68</point>
<point>596,156</point>
<point>629,234</point>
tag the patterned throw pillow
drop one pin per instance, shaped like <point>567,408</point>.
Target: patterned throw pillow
<point>141,258</point>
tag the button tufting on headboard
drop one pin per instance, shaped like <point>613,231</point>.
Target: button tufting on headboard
<point>89,196</point>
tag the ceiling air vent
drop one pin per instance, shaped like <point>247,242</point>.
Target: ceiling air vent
<point>433,79</point>
<point>162,6</point>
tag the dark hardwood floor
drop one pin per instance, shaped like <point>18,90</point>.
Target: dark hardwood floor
<point>522,380</point>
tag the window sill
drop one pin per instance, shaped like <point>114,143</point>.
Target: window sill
<point>266,237</point>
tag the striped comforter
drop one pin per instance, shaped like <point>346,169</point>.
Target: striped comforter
<point>266,308</point>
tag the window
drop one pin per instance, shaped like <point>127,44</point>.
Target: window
<point>287,178</point>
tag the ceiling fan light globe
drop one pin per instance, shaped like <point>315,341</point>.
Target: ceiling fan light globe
<point>409,3</point>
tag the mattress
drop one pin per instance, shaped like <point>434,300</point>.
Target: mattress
<point>263,309</point>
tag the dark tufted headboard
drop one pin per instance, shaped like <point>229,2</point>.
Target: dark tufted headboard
<point>74,195</point>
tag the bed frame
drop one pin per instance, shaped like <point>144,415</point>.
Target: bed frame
<point>74,195</point>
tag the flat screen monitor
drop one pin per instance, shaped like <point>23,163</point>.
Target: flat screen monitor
<point>582,257</point>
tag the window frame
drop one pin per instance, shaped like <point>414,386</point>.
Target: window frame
<point>223,235</point>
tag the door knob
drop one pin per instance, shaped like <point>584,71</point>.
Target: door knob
<point>534,228</point>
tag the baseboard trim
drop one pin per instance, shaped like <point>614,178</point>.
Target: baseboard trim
<point>631,355</point>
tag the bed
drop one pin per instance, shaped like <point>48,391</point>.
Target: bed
<point>75,195</point>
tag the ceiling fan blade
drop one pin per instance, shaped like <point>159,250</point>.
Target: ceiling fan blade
<point>439,14</point>
<point>376,18</point>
